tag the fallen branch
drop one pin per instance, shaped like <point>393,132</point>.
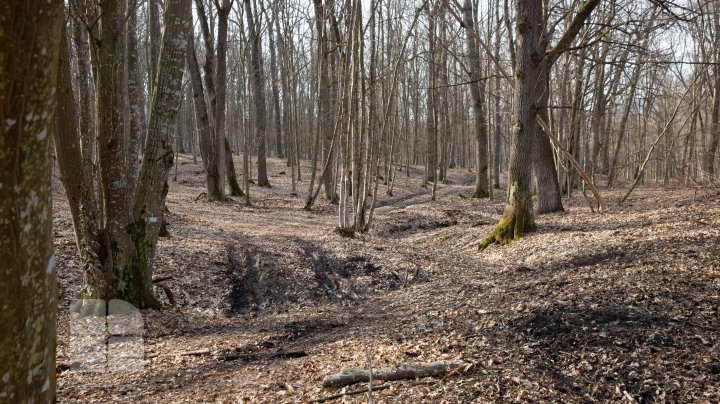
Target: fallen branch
<point>199,352</point>
<point>349,393</point>
<point>168,293</point>
<point>402,372</point>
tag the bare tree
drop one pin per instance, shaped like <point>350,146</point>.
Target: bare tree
<point>258,83</point>
<point>529,100</point>
<point>476,90</point>
<point>120,244</point>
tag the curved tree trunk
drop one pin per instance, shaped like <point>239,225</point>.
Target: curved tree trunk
<point>149,199</point>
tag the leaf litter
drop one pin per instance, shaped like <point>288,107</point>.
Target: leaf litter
<point>621,306</point>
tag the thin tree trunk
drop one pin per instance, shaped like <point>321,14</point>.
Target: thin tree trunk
<point>476,90</point>
<point>257,81</point>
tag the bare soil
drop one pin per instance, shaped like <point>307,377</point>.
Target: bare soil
<point>620,306</point>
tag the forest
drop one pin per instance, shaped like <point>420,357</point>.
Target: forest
<point>394,201</point>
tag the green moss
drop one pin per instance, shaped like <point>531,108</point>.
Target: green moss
<point>510,228</point>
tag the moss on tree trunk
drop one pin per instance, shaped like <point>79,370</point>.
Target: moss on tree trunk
<point>511,226</point>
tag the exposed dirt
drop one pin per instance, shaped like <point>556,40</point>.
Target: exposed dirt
<point>622,306</point>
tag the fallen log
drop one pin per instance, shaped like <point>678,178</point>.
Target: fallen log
<point>402,372</point>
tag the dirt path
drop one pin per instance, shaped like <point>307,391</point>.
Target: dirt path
<point>607,307</point>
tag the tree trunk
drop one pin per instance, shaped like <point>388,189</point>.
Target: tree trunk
<point>715,115</point>
<point>136,98</point>
<point>548,187</point>
<point>275,73</point>
<point>111,154</point>
<point>28,293</point>
<point>518,217</point>
<point>131,222</point>
<point>205,130</point>
<point>431,139</point>
<point>220,90</point>
<point>258,82</point>
<point>476,90</point>
<point>154,33</point>
<point>149,199</point>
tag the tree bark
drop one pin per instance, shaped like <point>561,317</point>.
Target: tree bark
<point>149,199</point>
<point>136,98</point>
<point>518,217</point>
<point>221,143</point>
<point>476,90</point>
<point>548,187</point>
<point>257,81</point>
<point>715,114</point>
<point>431,139</point>
<point>28,293</point>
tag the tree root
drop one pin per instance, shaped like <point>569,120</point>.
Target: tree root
<point>510,228</point>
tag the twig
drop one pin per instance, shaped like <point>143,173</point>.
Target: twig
<point>349,393</point>
<point>370,371</point>
<point>668,124</point>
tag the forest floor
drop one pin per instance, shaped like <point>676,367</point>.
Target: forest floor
<point>620,306</point>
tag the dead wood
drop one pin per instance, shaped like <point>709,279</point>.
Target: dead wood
<point>402,372</point>
<point>349,393</point>
<point>168,293</point>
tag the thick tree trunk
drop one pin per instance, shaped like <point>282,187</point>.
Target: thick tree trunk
<point>131,223</point>
<point>518,217</point>
<point>28,294</point>
<point>111,151</point>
